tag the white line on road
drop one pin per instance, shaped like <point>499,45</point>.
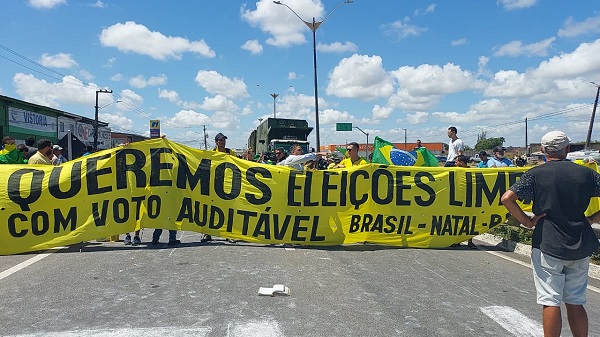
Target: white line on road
<point>27,263</point>
<point>146,332</point>
<point>513,321</point>
<point>528,265</point>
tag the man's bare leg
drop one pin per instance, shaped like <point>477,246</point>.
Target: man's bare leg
<point>578,320</point>
<point>552,321</point>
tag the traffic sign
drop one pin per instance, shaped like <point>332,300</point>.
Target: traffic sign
<point>155,128</point>
<point>343,126</point>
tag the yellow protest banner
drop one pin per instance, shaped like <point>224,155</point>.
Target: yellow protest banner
<point>162,184</point>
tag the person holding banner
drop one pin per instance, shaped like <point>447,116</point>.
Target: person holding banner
<point>297,158</point>
<point>220,142</point>
<point>10,154</point>
<point>353,158</point>
<point>563,238</point>
<point>461,161</point>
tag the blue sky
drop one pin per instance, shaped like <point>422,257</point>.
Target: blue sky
<point>385,65</point>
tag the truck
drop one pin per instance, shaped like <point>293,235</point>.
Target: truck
<point>273,133</point>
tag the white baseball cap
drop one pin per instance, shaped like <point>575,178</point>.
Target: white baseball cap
<point>555,141</point>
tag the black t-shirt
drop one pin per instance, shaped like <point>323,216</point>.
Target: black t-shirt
<point>562,190</point>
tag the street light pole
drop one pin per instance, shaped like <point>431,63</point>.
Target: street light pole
<point>96,116</point>
<point>405,140</point>
<point>588,139</point>
<point>274,95</point>
<point>314,25</point>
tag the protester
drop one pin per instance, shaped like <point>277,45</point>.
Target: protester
<point>10,154</point>
<point>419,145</point>
<point>455,146</point>
<point>57,157</point>
<point>136,238</point>
<point>43,154</point>
<point>484,160</point>
<point>563,239</point>
<point>220,146</point>
<point>31,150</point>
<point>88,150</point>
<point>498,160</point>
<point>352,159</point>
<point>297,158</point>
<point>461,161</point>
<point>172,237</point>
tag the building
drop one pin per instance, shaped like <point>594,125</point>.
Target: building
<point>22,120</point>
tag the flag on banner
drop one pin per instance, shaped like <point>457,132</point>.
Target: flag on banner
<point>385,152</point>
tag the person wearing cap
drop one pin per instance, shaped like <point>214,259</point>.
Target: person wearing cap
<point>484,159</point>
<point>220,142</point>
<point>563,238</point>
<point>498,160</point>
<point>57,157</point>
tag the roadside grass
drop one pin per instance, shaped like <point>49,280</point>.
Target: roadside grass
<point>523,236</point>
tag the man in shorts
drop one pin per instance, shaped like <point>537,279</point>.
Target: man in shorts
<point>563,238</point>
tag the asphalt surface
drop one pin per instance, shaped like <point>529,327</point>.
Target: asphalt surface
<point>210,289</point>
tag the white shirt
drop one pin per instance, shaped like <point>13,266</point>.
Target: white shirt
<point>296,161</point>
<point>453,148</point>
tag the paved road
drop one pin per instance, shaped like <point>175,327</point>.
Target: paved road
<point>210,289</point>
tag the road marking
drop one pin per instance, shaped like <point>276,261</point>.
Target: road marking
<point>255,328</point>
<point>528,265</point>
<point>27,263</point>
<point>513,321</point>
<point>127,332</point>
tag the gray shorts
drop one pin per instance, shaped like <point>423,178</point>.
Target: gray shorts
<point>559,280</point>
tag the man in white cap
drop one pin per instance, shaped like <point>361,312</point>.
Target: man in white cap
<point>563,239</point>
<point>57,157</point>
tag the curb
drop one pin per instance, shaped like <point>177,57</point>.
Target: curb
<point>523,249</point>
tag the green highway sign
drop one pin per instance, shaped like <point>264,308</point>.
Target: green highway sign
<point>343,126</point>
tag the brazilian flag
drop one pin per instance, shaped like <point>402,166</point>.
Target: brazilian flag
<point>386,153</point>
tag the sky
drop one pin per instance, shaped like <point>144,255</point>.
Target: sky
<point>392,68</point>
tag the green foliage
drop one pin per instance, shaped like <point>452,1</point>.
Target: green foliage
<point>481,136</point>
<point>524,236</point>
<point>489,143</point>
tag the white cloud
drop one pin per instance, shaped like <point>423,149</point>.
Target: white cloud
<point>171,96</point>
<point>402,28</point>
<point>190,118</point>
<point>222,120</point>
<point>403,100</point>
<point>60,60</point>
<point>360,76</point>
<point>427,80</point>
<point>69,90</point>
<point>582,61</point>
<point>517,48</point>
<point>588,26</point>
<point>459,118</point>
<point>218,84</point>
<point>430,9</point>
<point>130,97</point>
<point>337,47</point>
<point>253,46</point>
<point>116,77</point>
<point>292,75</point>
<point>279,22</point>
<point>381,112</point>
<point>140,81</point>
<point>86,75</point>
<point>516,4</point>
<point>109,63</point>
<point>46,4</point>
<point>219,103</point>
<point>136,38</point>
<point>418,117</point>
<point>99,4</point>
<point>119,121</point>
<point>458,42</point>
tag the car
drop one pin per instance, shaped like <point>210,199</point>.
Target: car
<point>585,154</point>
<point>476,158</point>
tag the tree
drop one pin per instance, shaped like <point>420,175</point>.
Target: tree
<point>481,136</point>
<point>489,143</point>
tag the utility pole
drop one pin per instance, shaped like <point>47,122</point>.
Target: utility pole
<point>106,91</point>
<point>588,139</point>
<point>526,143</point>
<point>205,136</point>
